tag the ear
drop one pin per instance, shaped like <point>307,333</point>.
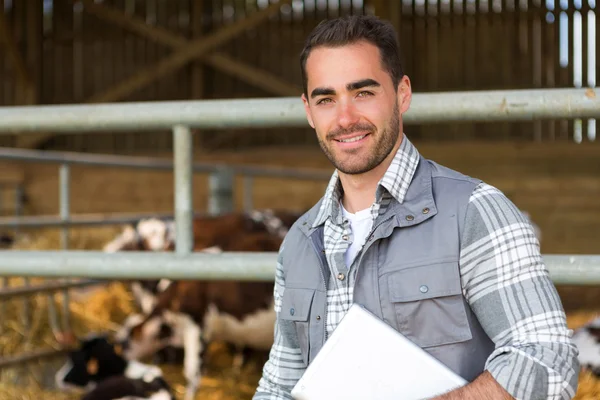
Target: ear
<point>92,366</point>
<point>307,111</point>
<point>136,332</point>
<point>404,94</point>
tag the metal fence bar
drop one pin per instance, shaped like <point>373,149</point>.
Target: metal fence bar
<point>3,286</point>
<point>81,220</point>
<point>65,210</point>
<point>158,164</point>
<point>183,155</point>
<point>26,306</point>
<point>248,193</point>
<point>19,197</point>
<point>220,187</point>
<point>485,106</point>
<point>48,287</point>
<point>30,356</point>
<point>64,183</point>
<point>571,269</point>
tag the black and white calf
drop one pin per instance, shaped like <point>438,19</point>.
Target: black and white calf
<point>123,388</point>
<point>167,348</point>
<point>99,367</point>
<point>240,313</point>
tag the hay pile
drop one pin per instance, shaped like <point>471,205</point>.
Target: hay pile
<point>103,309</point>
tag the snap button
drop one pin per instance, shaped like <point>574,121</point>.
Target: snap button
<point>424,289</point>
<point>318,317</point>
<point>345,237</point>
<point>409,217</point>
<point>425,210</point>
<point>341,276</point>
<point>292,311</point>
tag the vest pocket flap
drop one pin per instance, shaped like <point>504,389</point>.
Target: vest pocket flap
<point>425,282</point>
<point>296,303</point>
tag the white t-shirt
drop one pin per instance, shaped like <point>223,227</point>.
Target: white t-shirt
<point>360,225</point>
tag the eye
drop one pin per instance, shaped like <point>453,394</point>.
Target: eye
<point>365,93</point>
<point>324,101</point>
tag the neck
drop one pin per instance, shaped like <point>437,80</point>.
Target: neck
<point>359,190</point>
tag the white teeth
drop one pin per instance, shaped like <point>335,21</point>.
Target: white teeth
<point>354,139</point>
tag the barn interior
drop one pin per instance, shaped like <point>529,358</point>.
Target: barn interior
<point>59,52</point>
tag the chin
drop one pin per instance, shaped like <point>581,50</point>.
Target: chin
<point>353,168</point>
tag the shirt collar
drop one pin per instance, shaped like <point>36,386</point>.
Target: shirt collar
<point>395,181</point>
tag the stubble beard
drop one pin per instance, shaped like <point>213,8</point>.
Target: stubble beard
<point>351,163</point>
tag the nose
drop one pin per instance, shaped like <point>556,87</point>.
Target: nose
<point>347,115</point>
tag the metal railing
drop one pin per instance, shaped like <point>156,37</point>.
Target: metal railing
<point>483,106</point>
<point>180,116</point>
<point>220,185</point>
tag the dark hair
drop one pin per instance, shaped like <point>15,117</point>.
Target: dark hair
<point>351,29</point>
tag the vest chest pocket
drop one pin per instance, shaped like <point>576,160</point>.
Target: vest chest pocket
<point>429,305</point>
<point>295,311</point>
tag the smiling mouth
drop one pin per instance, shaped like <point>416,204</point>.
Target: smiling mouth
<point>354,139</point>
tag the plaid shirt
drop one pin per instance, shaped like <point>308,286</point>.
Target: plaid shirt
<point>529,329</point>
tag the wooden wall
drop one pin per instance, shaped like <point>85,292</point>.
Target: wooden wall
<point>80,53</point>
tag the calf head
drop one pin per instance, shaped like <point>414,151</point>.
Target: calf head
<point>144,336</point>
<point>157,235</point>
<point>127,240</point>
<point>95,360</point>
<point>275,222</point>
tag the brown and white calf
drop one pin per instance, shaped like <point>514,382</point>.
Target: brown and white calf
<point>211,234</point>
<point>237,312</point>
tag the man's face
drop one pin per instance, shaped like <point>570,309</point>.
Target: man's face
<point>353,106</point>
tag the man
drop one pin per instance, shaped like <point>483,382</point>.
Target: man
<point>442,257</point>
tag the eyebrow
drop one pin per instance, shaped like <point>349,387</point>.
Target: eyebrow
<point>326,91</point>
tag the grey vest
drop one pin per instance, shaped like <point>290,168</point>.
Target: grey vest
<point>408,273</point>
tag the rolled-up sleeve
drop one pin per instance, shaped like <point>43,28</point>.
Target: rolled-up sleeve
<point>510,291</point>
<point>285,365</point>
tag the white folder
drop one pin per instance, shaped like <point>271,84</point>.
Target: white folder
<point>365,358</point>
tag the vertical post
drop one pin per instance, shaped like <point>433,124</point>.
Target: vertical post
<point>248,192</point>
<point>220,191</point>
<point>183,177</point>
<point>65,208</point>
<point>19,199</point>
<point>64,202</point>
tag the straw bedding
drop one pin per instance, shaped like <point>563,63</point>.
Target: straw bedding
<point>107,306</point>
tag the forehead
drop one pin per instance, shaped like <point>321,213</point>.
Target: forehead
<point>336,66</point>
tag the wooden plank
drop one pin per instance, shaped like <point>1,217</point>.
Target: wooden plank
<point>197,88</point>
<point>183,55</point>
<point>34,46</point>
<point>11,174</point>
<point>249,74</point>
<point>179,58</point>
<point>252,75</point>
<point>18,62</point>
